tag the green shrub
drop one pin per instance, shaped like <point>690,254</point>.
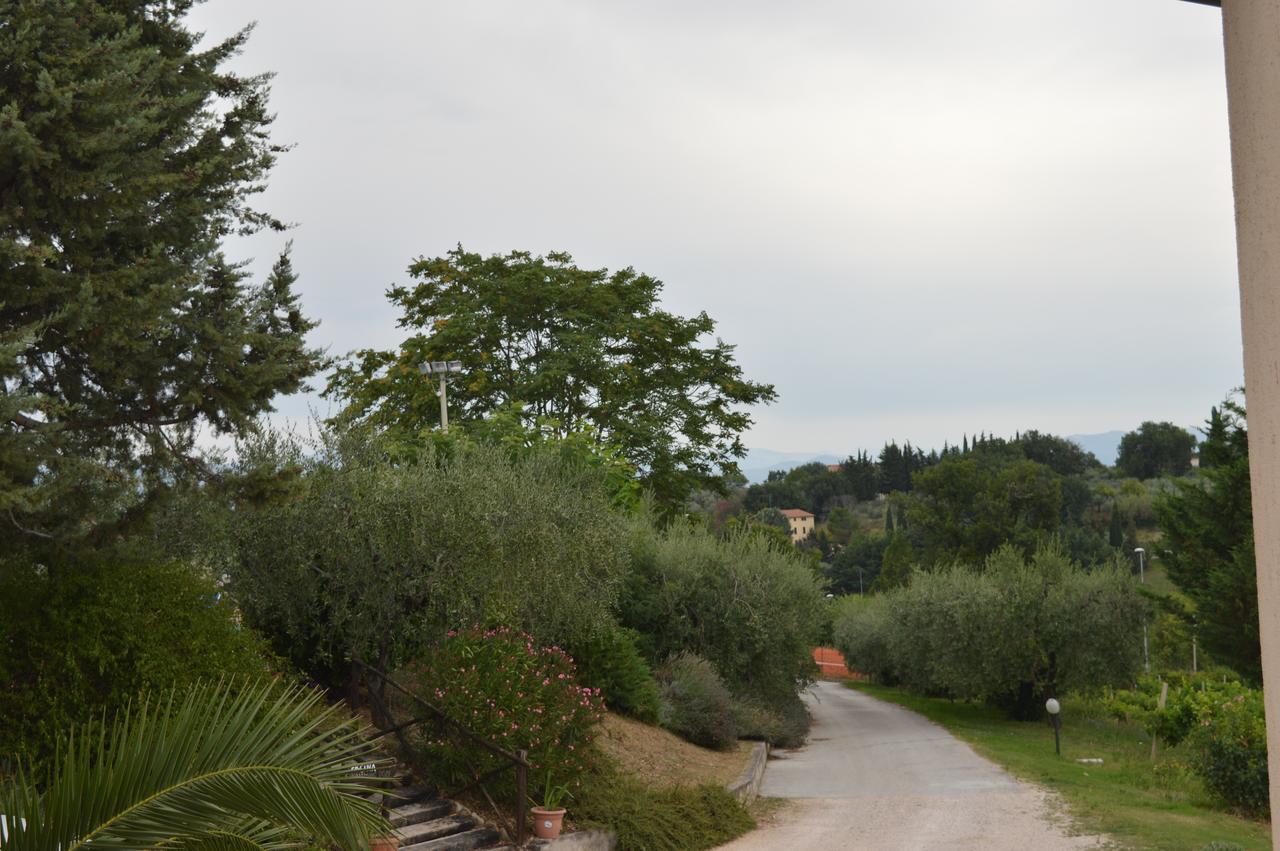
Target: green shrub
<point>754,720</point>
<point>783,726</point>
<point>695,703</point>
<point>83,638</point>
<point>1002,632</point>
<point>795,723</point>
<point>861,634</point>
<point>374,550</point>
<point>502,686</point>
<point>753,611</point>
<point>1231,754</point>
<point>1191,702</point>
<point>676,819</point>
<point>610,661</point>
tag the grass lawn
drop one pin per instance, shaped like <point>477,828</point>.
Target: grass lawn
<point>1160,806</point>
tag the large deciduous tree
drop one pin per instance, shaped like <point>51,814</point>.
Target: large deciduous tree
<point>965,510</point>
<point>1156,449</point>
<point>127,154</point>
<point>576,346</point>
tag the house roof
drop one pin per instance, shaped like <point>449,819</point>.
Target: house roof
<point>796,513</point>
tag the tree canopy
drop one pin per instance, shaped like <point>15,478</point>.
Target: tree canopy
<point>371,557</point>
<point>1010,631</point>
<point>1156,449</point>
<point>1208,536</point>
<point>562,344</point>
<point>964,509</point>
<point>126,156</point>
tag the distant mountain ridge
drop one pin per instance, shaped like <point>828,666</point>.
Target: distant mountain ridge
<point>758,463</point>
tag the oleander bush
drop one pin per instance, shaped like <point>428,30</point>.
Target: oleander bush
<point>506,688</point>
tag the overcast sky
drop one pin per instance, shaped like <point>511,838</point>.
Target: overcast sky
<point>916,218</point>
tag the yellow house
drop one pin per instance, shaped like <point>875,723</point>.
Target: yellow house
<point>801,523</point>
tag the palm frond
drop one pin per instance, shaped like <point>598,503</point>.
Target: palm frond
<point>258,767</point>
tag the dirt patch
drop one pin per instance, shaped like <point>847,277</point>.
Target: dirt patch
<point>662,759</point>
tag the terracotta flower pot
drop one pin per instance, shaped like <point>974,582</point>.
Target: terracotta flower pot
<point>385,843</point>
<point>547,823</point>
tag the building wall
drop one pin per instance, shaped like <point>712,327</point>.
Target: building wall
<point>1251,30</point>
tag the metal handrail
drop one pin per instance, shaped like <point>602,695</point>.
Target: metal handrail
<point>519,760</point>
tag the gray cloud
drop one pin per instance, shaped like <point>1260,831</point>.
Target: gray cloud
<point>916,218</point>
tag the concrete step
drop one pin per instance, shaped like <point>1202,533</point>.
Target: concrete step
<point>421,811</point>
<point>401,795</point>
<point>424,831</point>
<point>480,837</point>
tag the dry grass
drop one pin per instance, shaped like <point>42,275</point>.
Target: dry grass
<point>661,759</point>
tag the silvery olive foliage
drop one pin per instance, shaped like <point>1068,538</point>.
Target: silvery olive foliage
<point>752,610</point>
<point>370,555</point>
<point>1005,633</point>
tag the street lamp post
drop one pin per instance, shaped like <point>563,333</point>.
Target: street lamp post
<point>1142,580</point>
<point>442,368</point>
<point>1054,708</point>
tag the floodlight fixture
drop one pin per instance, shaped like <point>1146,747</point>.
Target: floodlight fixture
<point>441,369</point>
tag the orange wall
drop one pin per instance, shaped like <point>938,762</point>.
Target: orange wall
<point>831,664</point>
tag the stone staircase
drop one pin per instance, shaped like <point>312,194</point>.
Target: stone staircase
<point>426,822</point>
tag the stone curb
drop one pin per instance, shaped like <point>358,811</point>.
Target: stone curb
<point>746,787</point>
<point>581,840</point>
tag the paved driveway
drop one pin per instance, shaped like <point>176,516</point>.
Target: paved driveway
<point>876,776</point>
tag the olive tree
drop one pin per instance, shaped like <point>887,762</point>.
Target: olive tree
<point>750,608</point>
<point>1007,633</point>
<point>371,555</point>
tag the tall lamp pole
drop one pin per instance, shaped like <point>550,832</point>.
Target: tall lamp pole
<point>1142,580</point>
<point>442,368</point>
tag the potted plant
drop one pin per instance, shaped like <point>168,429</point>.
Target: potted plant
<point>549,818</point>
<point>389,842</point>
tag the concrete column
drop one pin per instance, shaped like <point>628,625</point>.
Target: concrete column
<point>1251,31</point>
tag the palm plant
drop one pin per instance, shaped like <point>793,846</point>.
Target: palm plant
<point>261,766</point>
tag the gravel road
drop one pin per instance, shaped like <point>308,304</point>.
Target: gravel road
<point>876,776</point>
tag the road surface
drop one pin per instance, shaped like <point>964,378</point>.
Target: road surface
<point>875,776</point>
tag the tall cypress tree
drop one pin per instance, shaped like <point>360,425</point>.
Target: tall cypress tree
<point>1115,527</point>
<point>126,156</point>
<point>1208,532</point>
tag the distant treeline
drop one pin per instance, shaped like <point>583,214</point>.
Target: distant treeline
<point>819,488</point>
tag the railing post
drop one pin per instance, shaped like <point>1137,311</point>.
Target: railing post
<point>522,794</point>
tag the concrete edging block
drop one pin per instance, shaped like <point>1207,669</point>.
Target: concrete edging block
<point>747,787</point>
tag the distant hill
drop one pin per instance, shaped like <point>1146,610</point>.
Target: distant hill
<point>1104,446</point>
<point>760,462</point>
